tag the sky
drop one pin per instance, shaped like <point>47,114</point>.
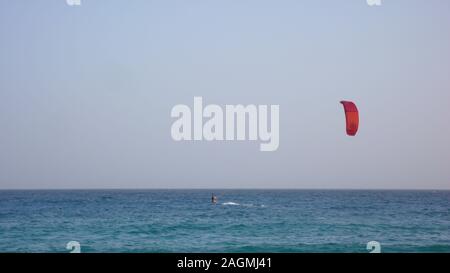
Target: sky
<point>86,92</point>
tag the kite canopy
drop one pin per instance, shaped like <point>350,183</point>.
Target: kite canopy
<point>351,117</point>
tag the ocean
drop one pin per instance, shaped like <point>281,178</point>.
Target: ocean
<point>241,221</point>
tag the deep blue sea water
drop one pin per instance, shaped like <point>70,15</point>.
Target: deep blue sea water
<point>242,221</point>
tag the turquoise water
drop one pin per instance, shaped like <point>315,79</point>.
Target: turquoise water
<point>242,221</point>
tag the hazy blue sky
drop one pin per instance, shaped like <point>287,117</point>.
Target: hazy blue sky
<point>86,92</point>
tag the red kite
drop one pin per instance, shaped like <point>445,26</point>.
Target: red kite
<point>351,117</point>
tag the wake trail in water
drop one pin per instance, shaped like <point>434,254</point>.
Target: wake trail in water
<point>231,204</point>
<point>244,205</point>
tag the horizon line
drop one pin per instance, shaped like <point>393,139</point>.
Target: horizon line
<point>216,189</point>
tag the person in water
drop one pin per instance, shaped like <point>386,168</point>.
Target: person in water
<point>213,199</point>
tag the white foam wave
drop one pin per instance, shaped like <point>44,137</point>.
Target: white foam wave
<point>245,205</point>
<point>230,204</point>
